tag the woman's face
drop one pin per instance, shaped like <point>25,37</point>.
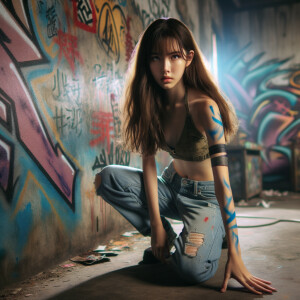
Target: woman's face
<point>167,64</point>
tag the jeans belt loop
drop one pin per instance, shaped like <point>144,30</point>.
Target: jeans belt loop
<point>195,188</point>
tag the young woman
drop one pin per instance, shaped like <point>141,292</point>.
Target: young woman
<point>172,103</point>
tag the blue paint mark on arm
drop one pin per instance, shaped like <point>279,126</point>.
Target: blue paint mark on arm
<point>217,121</point>
<point>234,235</point>
<point>212,109</point>
<point>212,133</point>
<point>230,214</point>
<point>226,184</point>
<point>218,130</point>
<point>228,201</point>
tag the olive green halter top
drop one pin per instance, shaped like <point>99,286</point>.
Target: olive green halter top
<point>192,145</point>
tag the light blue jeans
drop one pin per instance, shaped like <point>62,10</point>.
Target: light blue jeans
<point>192,202</point>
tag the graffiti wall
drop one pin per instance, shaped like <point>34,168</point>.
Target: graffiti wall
<point>262,80</point>
<point>62,66</point>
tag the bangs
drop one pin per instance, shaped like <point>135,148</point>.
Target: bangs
<point>168,43</point>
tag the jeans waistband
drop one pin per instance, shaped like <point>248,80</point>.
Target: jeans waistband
<point>170,175</point>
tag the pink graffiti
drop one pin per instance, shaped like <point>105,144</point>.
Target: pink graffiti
<point>30,129</point>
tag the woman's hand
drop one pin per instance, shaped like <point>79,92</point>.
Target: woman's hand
<point>159,242</point>
<point>236,269</point>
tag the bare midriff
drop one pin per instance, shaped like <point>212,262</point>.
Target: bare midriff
<point>194,170</point>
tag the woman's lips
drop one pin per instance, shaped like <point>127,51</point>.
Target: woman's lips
<point>166,79</point>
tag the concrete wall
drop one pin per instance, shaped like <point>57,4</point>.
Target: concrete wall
<point>61,75</point>
<point>260,74</point>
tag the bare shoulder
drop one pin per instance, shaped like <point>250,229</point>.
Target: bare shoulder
<point>201,105</point>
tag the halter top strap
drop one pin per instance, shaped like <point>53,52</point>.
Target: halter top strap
<point>186,101</point>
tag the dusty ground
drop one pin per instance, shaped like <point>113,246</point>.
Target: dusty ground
<point>267,251</point>
<point>68,274</point>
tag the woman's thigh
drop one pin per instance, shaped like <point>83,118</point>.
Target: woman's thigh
<point>120,182</point>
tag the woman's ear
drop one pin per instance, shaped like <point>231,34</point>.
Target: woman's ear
<point>189,58</point>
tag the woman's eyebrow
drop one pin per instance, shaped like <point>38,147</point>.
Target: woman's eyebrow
<point>168,53</point>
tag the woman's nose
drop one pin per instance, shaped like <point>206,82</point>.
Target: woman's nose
<point>166,65</point>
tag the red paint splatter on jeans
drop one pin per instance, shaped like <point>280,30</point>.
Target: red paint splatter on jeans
<point>206,219</point>
<point>212,227</point>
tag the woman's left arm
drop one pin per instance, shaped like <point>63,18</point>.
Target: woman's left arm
<point>209,114</point>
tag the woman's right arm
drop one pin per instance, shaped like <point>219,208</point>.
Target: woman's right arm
<point>159,241</point>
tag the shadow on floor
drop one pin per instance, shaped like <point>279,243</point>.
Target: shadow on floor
<point>156,281</point>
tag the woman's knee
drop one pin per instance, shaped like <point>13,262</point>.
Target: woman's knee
<point>103,175</point>
<point>97,181</point>
<point>197,272</point>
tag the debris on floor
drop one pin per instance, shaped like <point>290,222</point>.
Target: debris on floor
<point>100,248</point>
<point>16,291</point>
<point>242,203</point>
<point>107,253</point>
<point>272,192</point>
<point>130,233</point>
<point>90,259</point>
<point>34,285</point>
<point>264,203</point>
<point>119,246</point>
<point>67,265</point>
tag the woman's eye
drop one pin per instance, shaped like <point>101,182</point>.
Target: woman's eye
<point>175,56</point>
<point>154,58</point>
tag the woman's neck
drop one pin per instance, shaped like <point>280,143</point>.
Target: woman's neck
<point>175,95</point>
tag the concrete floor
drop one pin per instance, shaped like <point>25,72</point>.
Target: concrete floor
<point>270,252</point>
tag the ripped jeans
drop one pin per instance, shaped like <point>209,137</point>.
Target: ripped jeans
<point>198,246</point>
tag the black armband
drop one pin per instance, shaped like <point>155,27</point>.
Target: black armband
<point>219,161</point>
<point>219,148</point>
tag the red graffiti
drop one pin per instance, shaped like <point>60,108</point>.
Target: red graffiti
<point>103,125</point>
<point>128,43</point>
<point>280,107</point>
<point>206,219</point>
<point>68,47</point>
<point>84,15</point>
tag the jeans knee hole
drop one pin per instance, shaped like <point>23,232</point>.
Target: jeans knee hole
<point>193,243</point>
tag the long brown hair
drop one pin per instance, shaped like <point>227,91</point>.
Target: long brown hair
<point>143,103</point>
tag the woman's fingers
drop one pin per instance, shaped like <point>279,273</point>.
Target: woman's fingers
<point>225,282</point>
<point>250,288</point>
<point>259,287</point>
<point>159,253</point>
<point>263,284</point>
<point>265,281</point>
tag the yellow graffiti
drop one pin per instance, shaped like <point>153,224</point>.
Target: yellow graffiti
<point>264,103</point>
<point>292,79</point>
<point>29,177</point>
<point>111,28</point>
